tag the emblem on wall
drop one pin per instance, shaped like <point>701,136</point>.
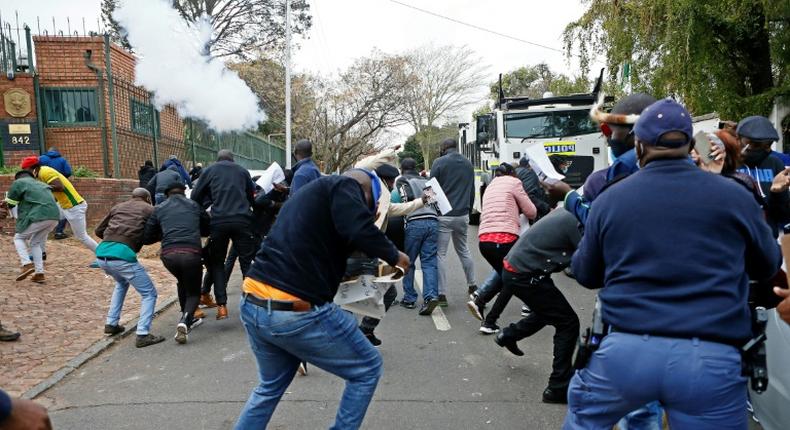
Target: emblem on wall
<point>17,102</point>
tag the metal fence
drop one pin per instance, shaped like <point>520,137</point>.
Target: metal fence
<point>95,103</point>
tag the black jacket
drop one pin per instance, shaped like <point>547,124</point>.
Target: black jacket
<point>317,230</point>
<point>228,188</point>
<point>177,222</point>
<point>777,205</point>
<point>265,209</point>
<point>145,174</point>
<point>160,181</point>
<point>534,190</point>
<point>457,178</point>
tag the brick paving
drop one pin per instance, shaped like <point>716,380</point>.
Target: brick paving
<point>64,317</point>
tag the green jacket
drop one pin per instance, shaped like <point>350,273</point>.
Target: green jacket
<point>34,200</point>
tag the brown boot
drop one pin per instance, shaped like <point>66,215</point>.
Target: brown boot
<point>38,278</point>
<point>25,271</point>
<point>222,312</point>
<point>207,301</point>
<point>198,314</point>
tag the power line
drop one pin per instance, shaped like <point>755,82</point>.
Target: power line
<point>447,18</point>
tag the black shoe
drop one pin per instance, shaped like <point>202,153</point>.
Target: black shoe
<point>427,308</point>
<point>510,344</point>
<point>487,328</point>
<point>8,335</point>
<point>373,339</point>
<point>60,236</point>
<point>471,289</point>
<point>147,340</point>
<point>555,395</point>
<point>408,305</point>
<point>112,330</point>
<point>476,308</point>
<point>442,300</point>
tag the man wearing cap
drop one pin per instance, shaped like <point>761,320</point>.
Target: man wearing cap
<point>37,215</point>
<point>617,126</point>
<point>678,316</point>
<point>178,223</point>
<point>756,135</point>
<point>287,307</point>
<point>73,206</point>
<point>380,163</point>
<point>122,233</point>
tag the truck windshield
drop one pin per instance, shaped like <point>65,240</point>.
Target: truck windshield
<point>548,124</point>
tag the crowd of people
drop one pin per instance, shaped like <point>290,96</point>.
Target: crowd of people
<point>682,245</point>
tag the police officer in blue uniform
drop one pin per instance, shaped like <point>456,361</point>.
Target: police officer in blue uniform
<point>672,248</point>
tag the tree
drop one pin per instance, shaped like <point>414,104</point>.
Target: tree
<point>352,111</point>
<point>266,78</point>
<point>534,81</point>
<point>240,27</point>
<point>111,25</point>
<point>448,77</point>
<point>729,56</point>
<point>416,144</point>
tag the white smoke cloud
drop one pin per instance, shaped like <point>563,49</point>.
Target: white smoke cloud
<point>172,65</point>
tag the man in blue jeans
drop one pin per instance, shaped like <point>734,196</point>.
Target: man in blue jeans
<point>121,232</point>
<point>287,307</point>
<point>422,236</point>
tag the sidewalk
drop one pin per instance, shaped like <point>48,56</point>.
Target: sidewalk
<point>64,317</point>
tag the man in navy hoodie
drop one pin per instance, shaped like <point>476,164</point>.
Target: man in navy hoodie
<point>287,308</point>
<point>673,249</point>
<point>55,160</point>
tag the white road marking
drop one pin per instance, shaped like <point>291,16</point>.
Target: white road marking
<point>439,319</point>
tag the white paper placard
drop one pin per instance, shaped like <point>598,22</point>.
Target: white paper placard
<point>272,175</point>
<point>437,197</point>
<point>540,163</point>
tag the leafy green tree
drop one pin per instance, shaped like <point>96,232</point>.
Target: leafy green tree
<point>240,28</point>
<point>729,56</point>
<point>427,142</point>
<point>533,81</point>
<point>411,149</point>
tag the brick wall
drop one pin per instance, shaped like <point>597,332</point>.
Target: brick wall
<point>101,195</point>
<point>61,63</point>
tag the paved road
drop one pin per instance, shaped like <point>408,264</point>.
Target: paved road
<point>433,379</point>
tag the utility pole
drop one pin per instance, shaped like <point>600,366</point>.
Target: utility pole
<point>288,84</point>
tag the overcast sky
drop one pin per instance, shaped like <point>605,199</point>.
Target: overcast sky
<point>345,29</point>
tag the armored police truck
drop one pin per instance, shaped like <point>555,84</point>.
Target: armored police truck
<point>562,125</point>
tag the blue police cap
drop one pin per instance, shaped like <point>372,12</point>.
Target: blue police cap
<point>757,128</point>
<point>660,118</point>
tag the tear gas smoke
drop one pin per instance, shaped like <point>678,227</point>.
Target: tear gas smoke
<point>173,64</point>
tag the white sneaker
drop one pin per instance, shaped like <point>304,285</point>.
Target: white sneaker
<point>525,311</point>
<point>181,333</point>
<point>489,329</point>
